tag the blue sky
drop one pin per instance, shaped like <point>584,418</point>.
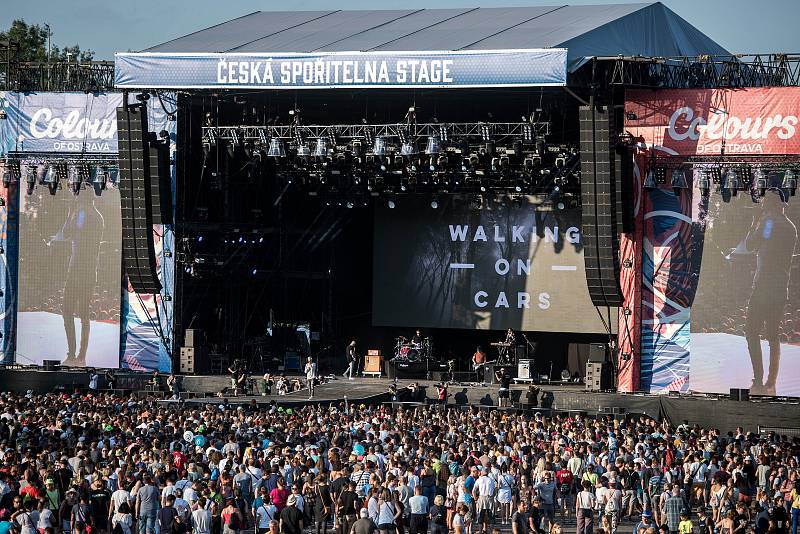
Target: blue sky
<point>106,26</point>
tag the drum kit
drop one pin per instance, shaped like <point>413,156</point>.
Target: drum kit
<point>405,349</point>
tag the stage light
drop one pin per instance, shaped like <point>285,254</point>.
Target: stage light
<point>349,204</point>
<point>30,178</point>
<point>321,148</point>
<point>391,204</point>
<point>486,132</point>
<point>761,181</point>
<point>379,147</point>
<point>73,179</point>
<point>51,178</point>
<point>11,172</point>
<point>789,182</point>
<point>303,150</point>
<point>519,186</point>
<point>276,148</point>
<point>99,178</point>
<point>254,272</point>
<point>200,239</point>
<point>703,183</point>
<point>732,182</point>
<point>434,203</point>
<point>650,180</point>
<point>432,148</point>
<point>260,239</point>
<point>527,133</point>
<point>679,179</point>
<point>356,148</point>
<point>409,148</point>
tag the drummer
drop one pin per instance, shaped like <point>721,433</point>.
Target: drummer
<point>416,340</point>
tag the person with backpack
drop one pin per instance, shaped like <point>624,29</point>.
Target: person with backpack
<point>169,520</point>
<point>122,520</point>
<point>564,479</point>
<point>81,517</point>
<point>231,518</point>
<point>613,505</point>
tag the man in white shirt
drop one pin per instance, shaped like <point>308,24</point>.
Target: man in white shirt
<point>311,376</point>
<point>483,492</point>
<point>201,518</point>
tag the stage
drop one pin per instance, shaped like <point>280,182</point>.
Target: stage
<point>713,411</point>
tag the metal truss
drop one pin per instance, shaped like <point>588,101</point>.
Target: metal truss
<point>62,76</point>
<point>484,130</point>
<point>706,71</point>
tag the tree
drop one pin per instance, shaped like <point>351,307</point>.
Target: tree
<point>32,40</point>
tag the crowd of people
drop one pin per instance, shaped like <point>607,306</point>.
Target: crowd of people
<point>96,463</point>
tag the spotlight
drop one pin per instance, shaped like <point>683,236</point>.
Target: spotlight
<point>254,272</point>
<point>99,178</point>
<point>276,148</point>
<point>732,182</point>
<point>761,181</point>
<point>650,180</point>
<point>408,148</point>
<point>379,147</point>
<point>390,203</point>
<point>303,150</point>
<point>434,203</point>
<point>520,185</point>
<point>789,182</point>
<point>321,148</point>
<point>349,204</point>
<point>51,178</point>
<point>73,179</point>
<point>11,172</point>
<point>432,148</point>
<point>30,178</point>
<point>703,183</point>
<point>679,179</point>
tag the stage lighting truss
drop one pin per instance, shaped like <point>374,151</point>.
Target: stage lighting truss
<point>56,171</point>
<point>405,157</point>
<point>727,176</point>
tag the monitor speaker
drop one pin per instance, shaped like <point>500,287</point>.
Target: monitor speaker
<point>602,202</point>
<point>740,394</point>
<point>138,249</point>
<point>597,352</point>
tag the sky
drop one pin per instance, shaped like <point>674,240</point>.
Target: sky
<point>108,26</point>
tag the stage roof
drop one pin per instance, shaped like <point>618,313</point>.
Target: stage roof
<point>593,30</point>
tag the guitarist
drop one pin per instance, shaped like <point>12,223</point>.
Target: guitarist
<point>478,363</point>
<point>351,359</point>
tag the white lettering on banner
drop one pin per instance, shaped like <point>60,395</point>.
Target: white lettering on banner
<point>320,71</point>
<point>460,233</point>
<point>523,300</point>
<point>721,125</point>
<point>73,126</point>
<point>504,266</point>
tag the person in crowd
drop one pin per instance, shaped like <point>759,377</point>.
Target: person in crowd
<point>102,463</point>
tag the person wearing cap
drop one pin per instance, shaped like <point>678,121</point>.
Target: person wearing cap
<point>645,523</point>
<point>291,519</point>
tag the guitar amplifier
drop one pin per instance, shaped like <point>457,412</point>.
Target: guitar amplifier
<point>524,369</point>
<point>372,364</point>
<point>374,352</point>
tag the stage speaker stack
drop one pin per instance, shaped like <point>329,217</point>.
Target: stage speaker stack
<point>598,376</point>
<point>192,356</point>
<point>138,250</point>
<point>602,204</point>
<point>740,394</point>
<point>51,365</point>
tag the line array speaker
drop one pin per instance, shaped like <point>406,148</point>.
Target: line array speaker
<point>598,377</point>
<point>160,192</point>
<point>138,250</point>
<point>602,202</point>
